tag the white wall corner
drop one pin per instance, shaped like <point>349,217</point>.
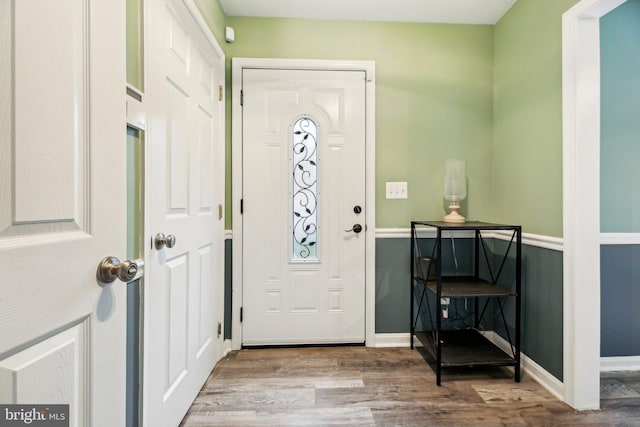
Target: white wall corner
<point>581,223</point>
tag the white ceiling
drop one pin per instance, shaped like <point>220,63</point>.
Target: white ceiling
<point>435,11</point>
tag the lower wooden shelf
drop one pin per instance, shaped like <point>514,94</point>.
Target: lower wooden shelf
<point>466,347</point>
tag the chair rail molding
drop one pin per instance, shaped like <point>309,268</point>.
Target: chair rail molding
<point>537,240</point>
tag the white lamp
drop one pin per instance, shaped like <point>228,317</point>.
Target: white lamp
<point>455,188</point>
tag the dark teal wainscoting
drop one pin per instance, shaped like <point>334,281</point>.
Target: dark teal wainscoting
<point>619,300</point>
<point>541,293</point>
<point>228,287</point>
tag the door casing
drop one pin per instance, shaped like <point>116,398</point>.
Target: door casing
<point>238,64</point>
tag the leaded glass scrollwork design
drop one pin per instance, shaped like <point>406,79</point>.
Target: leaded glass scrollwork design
<point>305,189</point>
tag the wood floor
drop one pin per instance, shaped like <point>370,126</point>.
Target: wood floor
<point>359,386</point>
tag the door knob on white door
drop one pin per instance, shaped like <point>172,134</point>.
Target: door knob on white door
<point>160,241</point>
<point>110,269</point>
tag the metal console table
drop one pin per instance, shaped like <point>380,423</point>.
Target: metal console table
<point>465,347</point>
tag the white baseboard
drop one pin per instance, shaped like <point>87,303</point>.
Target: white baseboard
<point>227,348</point>
<point>628,363</point>
<point>392,340</point>
<point>531,368</point>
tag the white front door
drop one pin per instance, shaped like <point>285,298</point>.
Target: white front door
<point>183,296</point>
<point>303,222</point>
<point>62,207</point>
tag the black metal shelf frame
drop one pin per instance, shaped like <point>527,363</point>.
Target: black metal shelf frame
<point>465,347</point>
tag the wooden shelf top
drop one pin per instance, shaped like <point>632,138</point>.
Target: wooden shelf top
<point>460,287</point>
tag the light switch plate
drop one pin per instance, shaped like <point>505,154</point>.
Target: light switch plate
<point>397,190</point>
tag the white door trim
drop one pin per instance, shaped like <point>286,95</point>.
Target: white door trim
<point>236,114</point>
<point>581,201</point>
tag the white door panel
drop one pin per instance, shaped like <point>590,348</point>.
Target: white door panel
<point>62,206</point>
<point>318,294</point>
<point>184,283</point>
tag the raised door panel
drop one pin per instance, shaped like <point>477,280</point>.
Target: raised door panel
<point>35,375</point>
<point>44,124</point>
<point>203,302</point>
<point>205,160</point>
<point>177,171</point>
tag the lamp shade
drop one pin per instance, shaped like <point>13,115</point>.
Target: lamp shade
<point>455,180</point>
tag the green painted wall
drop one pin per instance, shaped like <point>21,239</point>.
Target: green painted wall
<point>434,100</point>
<point>215,17</point>
<point>134,44</point>
<point>620,119</point>
<point>491,95</point>
<point>135,193</point>
<point>527,121</point>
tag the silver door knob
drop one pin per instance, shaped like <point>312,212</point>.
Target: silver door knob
<point>160,241</point>
<point>110,269</point>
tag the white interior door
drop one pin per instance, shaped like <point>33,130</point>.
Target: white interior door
<point>184,282</point>
<point>62,206</point>
<point>303,223</point>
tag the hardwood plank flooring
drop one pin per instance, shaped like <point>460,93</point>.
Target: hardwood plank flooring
<point>359,386</point>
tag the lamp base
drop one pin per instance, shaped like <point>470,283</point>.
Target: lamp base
<point>454,216</point>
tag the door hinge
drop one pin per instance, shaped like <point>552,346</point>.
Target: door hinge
<point>241,314</point>
<point>219,212</point>
<point>220,92</point>
<point>241,97</point>
<point>241,206</point>
<point>219,329</point>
